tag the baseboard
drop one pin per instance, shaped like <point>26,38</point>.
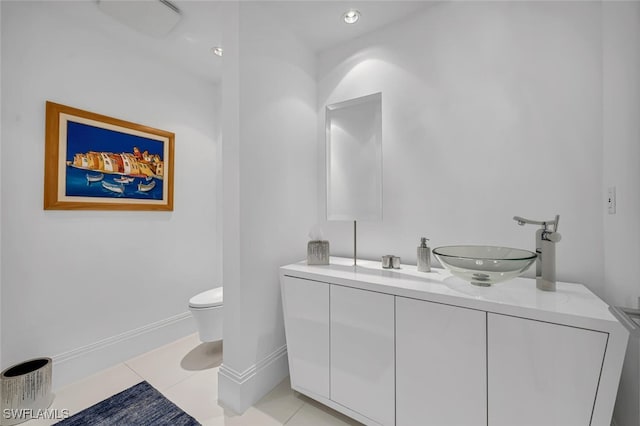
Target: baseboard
<point>240,390</point>
<point>81,362</point>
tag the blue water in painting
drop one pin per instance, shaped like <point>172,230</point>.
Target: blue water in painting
<point>78,186</point>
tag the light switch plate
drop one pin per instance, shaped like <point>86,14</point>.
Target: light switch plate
<point>611,200</point>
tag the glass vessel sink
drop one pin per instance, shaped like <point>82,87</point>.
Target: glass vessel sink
<point>484,265</point>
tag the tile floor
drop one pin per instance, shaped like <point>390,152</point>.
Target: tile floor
<point>186,372</point>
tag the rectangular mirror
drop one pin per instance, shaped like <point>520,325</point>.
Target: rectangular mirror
<point>354,159</point>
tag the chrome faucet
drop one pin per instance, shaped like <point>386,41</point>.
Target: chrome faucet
<point>546,239</point>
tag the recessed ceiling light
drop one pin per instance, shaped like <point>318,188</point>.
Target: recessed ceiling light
<point>351,16</point>
<point>217,50</point>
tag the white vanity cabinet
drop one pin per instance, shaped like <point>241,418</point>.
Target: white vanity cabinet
<point>541,373</point>
<point>362,352</point>
<point>408,348</point>
<point>340,344</point>
<point>441,359</point>
<point>307,326</point>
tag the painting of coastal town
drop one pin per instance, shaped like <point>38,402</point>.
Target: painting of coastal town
<point>98,162</point>
<point>110,164</point>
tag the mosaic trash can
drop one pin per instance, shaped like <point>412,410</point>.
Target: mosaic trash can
<point>25,389</point>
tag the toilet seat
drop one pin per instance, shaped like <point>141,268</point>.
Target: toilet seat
<point>207,299</point>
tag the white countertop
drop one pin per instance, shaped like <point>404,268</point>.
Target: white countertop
<point>570,304</point>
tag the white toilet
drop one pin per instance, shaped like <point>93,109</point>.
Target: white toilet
<point>206,308</point>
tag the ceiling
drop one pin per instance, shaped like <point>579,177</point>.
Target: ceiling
<point>187,45</point>
<point>317,23</point>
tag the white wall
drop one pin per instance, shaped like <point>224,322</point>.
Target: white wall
<point>490,110</point>
<point>1,275</point>
<point>71,279</point>
<point>270,197</point>
<point>621,135</point>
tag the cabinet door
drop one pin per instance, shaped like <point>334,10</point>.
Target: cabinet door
<point>306,317</point>
<point>362,352</point>
<point>440,364</point>
<point>542,373</point>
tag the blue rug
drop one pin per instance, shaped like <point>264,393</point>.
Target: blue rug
<point>140,405</point>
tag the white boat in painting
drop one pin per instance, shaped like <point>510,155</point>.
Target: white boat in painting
<point>94,178</point>
<point>124,179</point>
<point>143,187</point>
<point>113,187</point>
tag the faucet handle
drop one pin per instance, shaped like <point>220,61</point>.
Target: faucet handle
<point>552,236</point>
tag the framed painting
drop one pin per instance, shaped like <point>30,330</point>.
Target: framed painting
<point>95,162</point>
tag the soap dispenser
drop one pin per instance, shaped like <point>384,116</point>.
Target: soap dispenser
<point>424,256</point>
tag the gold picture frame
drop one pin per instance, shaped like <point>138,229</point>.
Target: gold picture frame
<point>95,162</point>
